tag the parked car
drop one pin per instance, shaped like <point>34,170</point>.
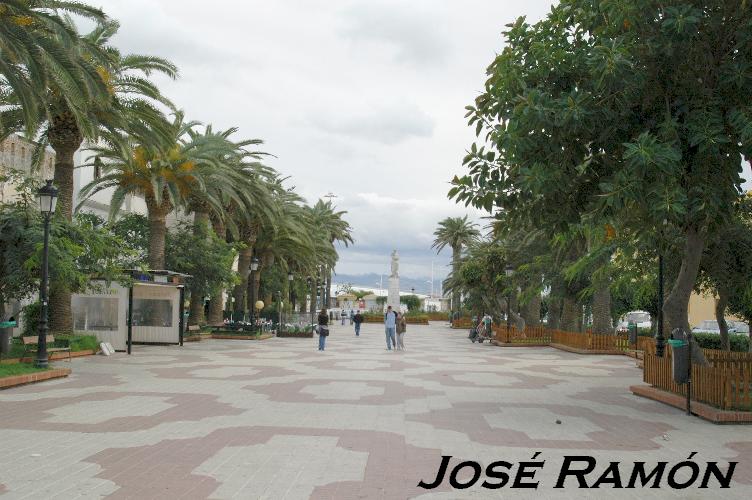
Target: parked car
<point>711,326</point>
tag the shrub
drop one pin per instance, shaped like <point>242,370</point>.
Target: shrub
<point>31,314</point>
<point>738,343</point>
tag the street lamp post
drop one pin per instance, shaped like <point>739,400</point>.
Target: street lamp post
<point>47,197</point>
<point>254,268</point>
<point>660,340</point>
<point>509,271</point>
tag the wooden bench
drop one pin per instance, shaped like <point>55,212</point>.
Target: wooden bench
<point>194,328</point>
<point>31,344</point>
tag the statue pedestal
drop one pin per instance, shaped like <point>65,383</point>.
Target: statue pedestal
<point>393,297</point>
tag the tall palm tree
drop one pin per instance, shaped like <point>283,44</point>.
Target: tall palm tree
<point>167,175</point>
<point>457,233</point>
<point>331,223</point>
<point>118,96</point>
<point>35,57</point>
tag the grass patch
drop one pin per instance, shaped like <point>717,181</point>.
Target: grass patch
<point>19,369</point>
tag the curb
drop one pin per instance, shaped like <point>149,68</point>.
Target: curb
<point>30,378</point>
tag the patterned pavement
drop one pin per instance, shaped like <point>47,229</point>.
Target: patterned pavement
<point>277,419</point>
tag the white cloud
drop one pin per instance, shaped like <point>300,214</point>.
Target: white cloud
<point>361,98</point>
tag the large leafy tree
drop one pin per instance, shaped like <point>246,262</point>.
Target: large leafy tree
<point>627,112</point>
<point>456,233</point>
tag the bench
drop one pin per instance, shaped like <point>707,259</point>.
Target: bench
<point>31,344</point>
<point>194,328</point>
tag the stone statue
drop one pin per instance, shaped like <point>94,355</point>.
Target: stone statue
<point>395,264</point>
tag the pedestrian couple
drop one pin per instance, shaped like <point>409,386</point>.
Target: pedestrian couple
<point>395,324</point>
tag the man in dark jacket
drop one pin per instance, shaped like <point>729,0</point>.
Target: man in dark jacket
<point>357,319</point>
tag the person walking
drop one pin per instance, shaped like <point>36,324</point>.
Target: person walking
<point>357,319</point>
<point>323,328</point>
<point>390,325</point>
<point>352,317</point>
<point>401,329</point>
<point>343,316</point>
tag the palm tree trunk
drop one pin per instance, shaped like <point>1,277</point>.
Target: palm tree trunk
<point>602,308</point>
<point>196,307</point>
<point>328,291</point>
<point>531,313</point>
<point>456,298</point>
<point>65,138</point>
<point>569,314</point>
<point>244,264</point>
<point>216,304</point>
<point>157,235</point>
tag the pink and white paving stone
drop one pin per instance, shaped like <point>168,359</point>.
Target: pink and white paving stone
<point>278,419</point>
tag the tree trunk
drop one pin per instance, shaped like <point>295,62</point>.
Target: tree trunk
<point>65,138</point>
<point>456,298</point>
<point>328,290</point>
<point>531,311</point>
<point>157,235</point>
<point>244,264</point>
<point>720,316</point>
<point>676,304</point>
<point>196,307</point>
<point>216,304</point>
<point>570,314</point>
<point>602,308</point>
<point>253,290</point>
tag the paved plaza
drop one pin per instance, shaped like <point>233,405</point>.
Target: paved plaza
<point>277,419</point>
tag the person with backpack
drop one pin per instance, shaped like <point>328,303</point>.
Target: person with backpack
<point>357,319</point>
<point>323,328</point>
<point>390,327</point>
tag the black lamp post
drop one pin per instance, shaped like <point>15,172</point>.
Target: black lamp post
<point>660,340</point>
<point>509,271</point>
<point>311,308</point>
<point>254,268</point>
<point>290,277</point>
<point>47,196</point>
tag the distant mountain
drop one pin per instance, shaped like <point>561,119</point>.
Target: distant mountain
<point>422,284</point>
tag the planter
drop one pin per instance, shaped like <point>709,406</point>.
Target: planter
<point>55,356</point>
<point>231,336</point>
<point>30,378</point>
<point>295,335</point>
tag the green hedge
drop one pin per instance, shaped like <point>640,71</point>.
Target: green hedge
<point>738,343</point>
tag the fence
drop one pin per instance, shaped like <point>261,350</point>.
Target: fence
<point>462,323</point>
<point>531,335</point>
<point>539,335</point>
<point>726,383</point>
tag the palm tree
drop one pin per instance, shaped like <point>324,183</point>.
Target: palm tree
<point>332,224</point>
<point>166,176</point>
<point>118,95</point>
<point>36,56</point>
<point>457,233</point>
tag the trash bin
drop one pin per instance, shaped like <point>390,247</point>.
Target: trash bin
<point>6,334</point>
<point>632,327</point>
<point>679,360</point>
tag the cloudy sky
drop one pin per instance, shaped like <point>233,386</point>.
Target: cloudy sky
<point>363,99</point>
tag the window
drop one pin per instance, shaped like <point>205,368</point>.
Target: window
<point>152,312</point>
<point>92,314</point>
